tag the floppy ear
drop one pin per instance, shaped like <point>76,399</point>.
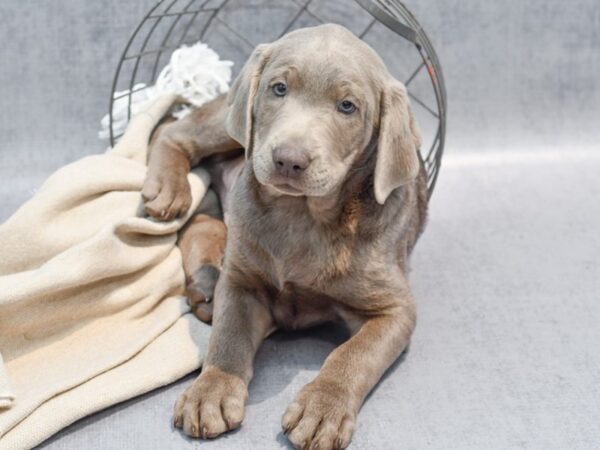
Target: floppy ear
<point>399,140</point>
<point>242,95</point>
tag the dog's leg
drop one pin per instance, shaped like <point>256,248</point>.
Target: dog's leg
<point>202,245</point>
<point>177,147</point>
<point>323,414</point>
<point>214,403</point>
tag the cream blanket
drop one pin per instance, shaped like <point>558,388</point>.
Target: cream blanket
<point>91,311</point>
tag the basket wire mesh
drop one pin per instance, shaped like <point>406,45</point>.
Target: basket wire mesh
<point>234,27</point>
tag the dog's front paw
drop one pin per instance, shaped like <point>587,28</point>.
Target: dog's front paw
<point>212,405</point>
<point>166,196</point>
<point>321,417</point>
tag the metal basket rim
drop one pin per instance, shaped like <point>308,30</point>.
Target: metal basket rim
<point>383,11</point>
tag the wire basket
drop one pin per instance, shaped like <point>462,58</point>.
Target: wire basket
<point>233,28</point>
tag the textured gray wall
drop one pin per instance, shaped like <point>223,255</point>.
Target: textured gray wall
<point>57,63</point>
<point>518,73</point>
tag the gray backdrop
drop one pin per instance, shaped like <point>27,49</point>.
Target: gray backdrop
<point>507,274</point>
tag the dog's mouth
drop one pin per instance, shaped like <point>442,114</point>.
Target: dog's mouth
<point>281,185</point>
<point>288,189</point>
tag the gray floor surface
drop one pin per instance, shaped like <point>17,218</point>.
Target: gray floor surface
<point>505,354</point>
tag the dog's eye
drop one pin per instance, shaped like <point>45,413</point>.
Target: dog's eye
<point>279,89</point>
<point>346,107</point>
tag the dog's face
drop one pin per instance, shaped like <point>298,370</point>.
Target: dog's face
<point>306,106</point>
<point>313,115</point>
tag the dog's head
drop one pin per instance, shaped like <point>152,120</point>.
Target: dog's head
<point>306,106</point>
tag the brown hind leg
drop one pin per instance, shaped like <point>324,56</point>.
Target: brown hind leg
<point>202,245</point>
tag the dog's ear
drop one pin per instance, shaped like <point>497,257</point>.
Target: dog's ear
<point>399,141</point>
<point>242,95</point>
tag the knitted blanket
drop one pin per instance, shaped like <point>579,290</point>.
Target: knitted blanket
<point>91,311</point>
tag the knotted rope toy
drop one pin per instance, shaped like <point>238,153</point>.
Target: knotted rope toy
<point>195,74</point>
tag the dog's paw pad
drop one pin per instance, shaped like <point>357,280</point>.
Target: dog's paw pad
<point>211,406</point>
<point>166,198</point>
<point>319,418</point>
<point>200,291</point>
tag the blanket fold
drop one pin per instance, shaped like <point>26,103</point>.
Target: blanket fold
<point>91,305</point>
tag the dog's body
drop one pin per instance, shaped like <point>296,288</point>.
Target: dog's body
<point>313,264</point>
<point>321,223</point>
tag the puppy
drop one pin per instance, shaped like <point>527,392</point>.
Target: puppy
<point>321,222</point>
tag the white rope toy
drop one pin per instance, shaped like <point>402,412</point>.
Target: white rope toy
<point>195,73</point>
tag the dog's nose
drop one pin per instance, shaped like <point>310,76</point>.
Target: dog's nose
<point>290,162</point>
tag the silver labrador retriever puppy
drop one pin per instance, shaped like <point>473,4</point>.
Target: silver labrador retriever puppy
<point>321,222</point>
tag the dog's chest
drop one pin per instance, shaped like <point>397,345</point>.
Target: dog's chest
<point>300,255</point>
<point>294,307</point>
<point>295,262</point>
<point>301,278</point>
